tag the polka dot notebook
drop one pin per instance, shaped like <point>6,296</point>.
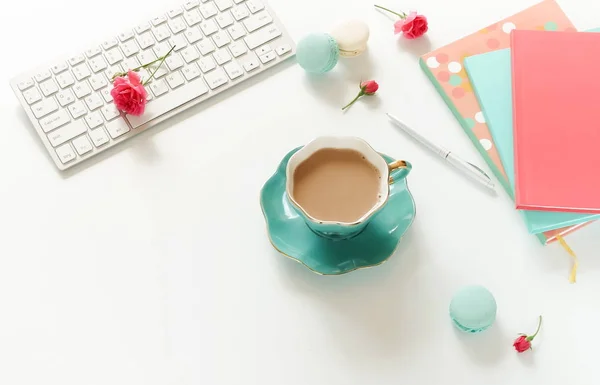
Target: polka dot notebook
<point>445,69</point>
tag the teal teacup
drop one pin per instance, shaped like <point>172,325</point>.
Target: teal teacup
<point>338,229</point>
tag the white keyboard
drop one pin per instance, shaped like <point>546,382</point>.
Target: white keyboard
<point>218,44</point>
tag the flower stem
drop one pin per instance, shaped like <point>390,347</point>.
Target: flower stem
<point>530,338</point>
<point>162,59</point>
<point>401,15</point>
<point>353,100</point>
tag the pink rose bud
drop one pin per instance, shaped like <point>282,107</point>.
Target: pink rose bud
<point>523,342</point>
<point>368,87</point>
<point>411,26</point>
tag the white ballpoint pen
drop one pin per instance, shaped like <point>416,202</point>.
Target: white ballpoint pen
<point>465,167</point>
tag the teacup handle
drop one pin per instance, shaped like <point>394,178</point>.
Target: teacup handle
<point>399,170</point>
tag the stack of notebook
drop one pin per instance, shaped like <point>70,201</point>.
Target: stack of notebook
<point>526,90</point>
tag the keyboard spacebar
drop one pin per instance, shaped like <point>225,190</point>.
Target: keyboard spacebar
<point>169,101</point>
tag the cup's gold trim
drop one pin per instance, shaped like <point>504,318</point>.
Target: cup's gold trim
<point>347,271</point>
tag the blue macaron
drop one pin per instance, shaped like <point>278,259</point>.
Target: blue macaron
<point>317,53</point>
<point>473,309</point>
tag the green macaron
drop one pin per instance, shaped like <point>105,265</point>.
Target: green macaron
<point>317,53</point>
<point>473,309</point>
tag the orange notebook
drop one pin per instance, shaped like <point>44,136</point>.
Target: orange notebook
<point>556,115</point>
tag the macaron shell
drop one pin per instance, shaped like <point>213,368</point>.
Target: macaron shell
<point>352,37</point>
<point>473,309</point>
<point>317,53</point>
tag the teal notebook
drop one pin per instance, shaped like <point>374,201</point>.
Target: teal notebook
<point>490,76</point>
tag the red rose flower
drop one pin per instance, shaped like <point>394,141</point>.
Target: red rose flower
<point>368,87</point>
<point>523,342</point>
<point>129,94</point>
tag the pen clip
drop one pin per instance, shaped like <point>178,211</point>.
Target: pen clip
<point>480,170</point>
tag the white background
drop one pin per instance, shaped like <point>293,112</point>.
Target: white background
<point>152,264</point>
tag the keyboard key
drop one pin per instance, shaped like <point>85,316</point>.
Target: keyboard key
<point>161,33</point>
<point>216,78</point>
<point>111,71</point>
<point>109,43</point>
<point>161,49</point>
<point>174,61</point>
<point>48,87</point>
<point>190,54</point>
<point>66,133</point>
<point>55,120</point>
<point>142,28</point>
<point>208,10</point>
<point>283,49</point>
<point>94,119</point>
<point>205,47</point>
<point>65,153</point>
<point>263,50</point>
<point>238,1</point>
<point>60,67</point>
<point>117,128</point>
<point>130,63</point>
<point>25,84</point>
<point>192,17</point>
<point>178,41</point>
<point>251,64</point>
<point>77,109</point>
<point>193,35</point>
<point>110,112</point>
<point>177,25</point>
<point>94,101</point>
<point>254,5</point>
<point>113,56</point>
<point>191,4</point>
<point>106,95</point>
<point>43,75</point>
<point>32,95</point>
<point>240,12</point>
<point>81,71</point>
<point>257,21</point>
<point>267,57</point>
<point>126,35</point>
<point>233,70</point>
<point>209,27</point>
<point>169,101</point>
<point>222,56</point>
<point>175,79</point>
<point>236,31</point>
<point>223,4</point>
<point>224,19</point>
<point>238,49</point>
<point>76,59</point>
<point>145,40</point>
<point>98,81</point>
<point>175,12</point>
<point>65,97</point>
<point>221,39</point>
<point>81,90</point>
<point>206,64</point>
<point>99,137</point>
<point>191,72</point>
<point>97,64</point>
<point>82,145</point>
<point>262,36</point>
<point>65,79</point>
<point>159,87</point>
<point>158,20</point>
<point>130,48</point>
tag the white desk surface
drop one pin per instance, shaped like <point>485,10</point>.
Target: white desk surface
<point>152,265</point>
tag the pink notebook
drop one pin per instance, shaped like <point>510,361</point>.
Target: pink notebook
<point>556,114</point>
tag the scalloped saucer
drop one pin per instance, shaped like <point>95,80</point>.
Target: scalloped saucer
<point>290,235</point>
